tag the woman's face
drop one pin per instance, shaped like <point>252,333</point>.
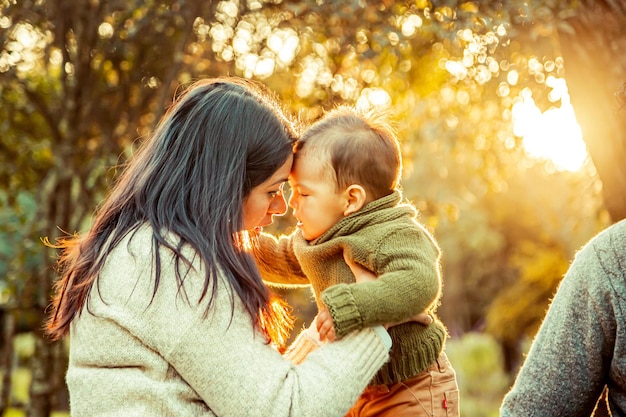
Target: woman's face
<point>266,199</point>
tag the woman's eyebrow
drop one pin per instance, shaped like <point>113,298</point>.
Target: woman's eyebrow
<point>279,181</point>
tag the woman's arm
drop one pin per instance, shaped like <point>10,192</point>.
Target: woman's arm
<point>237,373</point>
<point>221,355</point>
<point>276,260</point>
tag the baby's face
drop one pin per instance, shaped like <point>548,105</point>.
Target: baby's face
<point>316,202</point>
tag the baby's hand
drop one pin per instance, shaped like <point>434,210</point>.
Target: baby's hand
<point>325,325</point>
<point>363,275</point>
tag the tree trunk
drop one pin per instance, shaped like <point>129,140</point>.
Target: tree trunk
<point>8,332</point>
<point>41,387</point>
<point>595,68</point>
<point>56,209</point>
<point>61,398</point>
<point>454,309</point>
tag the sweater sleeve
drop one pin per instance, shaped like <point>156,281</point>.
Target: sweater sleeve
<point>569,361</point>
<point>277,262</point>
<point>237,373</point>
<point>406,263</point>
<point>230,364</point>
<point>306,342</point>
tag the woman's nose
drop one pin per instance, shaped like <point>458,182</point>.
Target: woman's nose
<point>278,205</point>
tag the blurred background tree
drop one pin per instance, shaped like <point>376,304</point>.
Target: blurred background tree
<point>487,96</point>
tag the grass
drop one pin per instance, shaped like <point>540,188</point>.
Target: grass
<point>12,412</point>
<point>20,382</point>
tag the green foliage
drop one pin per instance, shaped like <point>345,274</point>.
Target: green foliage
<point>12,412</point>
<point>18,256</point>
<point>20,381</point>
<point>24,346</point>
<point>82,82</point>
<point>542,236</point>
<point>477,360</point>
<point>520,307</point>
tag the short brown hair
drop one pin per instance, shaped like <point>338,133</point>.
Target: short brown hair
<point>361,146</point>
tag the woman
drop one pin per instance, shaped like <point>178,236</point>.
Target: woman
<point>166,312</point>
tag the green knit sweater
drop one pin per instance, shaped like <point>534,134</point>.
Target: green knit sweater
<point>385,238</point>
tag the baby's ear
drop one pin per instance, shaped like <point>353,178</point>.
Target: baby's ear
<point>356,196</point>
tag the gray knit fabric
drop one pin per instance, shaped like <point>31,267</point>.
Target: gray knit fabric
<point>132,357</point>
<point>581,345</point>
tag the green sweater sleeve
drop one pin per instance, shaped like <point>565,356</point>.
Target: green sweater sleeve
<point>277,262</point>
<point>406,262</point>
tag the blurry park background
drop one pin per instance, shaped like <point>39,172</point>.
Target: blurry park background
<point>508,112</point>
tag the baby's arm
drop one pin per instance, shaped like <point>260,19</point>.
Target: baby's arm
<point>276,260</point>
<point>408,283</point>
<point>324,320</point>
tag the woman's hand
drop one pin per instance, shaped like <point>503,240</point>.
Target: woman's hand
<point>360,274</point>
<point>422,318</point>
<point>363,275</point>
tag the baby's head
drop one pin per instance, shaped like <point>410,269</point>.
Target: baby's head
<point>343,161</point>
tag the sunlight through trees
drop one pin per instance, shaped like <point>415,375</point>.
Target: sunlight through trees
<point>511,135</point>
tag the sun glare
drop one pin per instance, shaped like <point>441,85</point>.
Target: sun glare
<point>553,135</point>
<point>374,98</point>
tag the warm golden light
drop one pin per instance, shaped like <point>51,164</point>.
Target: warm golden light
<point>374,98</point>
<point>24,48</point>
<point>554,134</point>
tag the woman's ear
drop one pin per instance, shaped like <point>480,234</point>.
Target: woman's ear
<point>356,196</point>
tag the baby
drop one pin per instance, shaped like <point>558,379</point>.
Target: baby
<point>346,198</point>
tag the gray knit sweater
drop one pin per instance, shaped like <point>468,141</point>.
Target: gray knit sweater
<point>581,345</point>
<point>132,357</point>
<point>384,237</point>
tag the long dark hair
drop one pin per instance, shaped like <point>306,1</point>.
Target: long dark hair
<point>219,139</point>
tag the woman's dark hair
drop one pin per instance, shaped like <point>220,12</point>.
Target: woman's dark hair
<point>219,139</point>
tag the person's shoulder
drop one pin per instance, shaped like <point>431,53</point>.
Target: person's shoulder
<point>137,248</point>
<point>603,256</point>
<point>616,232</point>
<point>136,243</point>
<point>611,239</point>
